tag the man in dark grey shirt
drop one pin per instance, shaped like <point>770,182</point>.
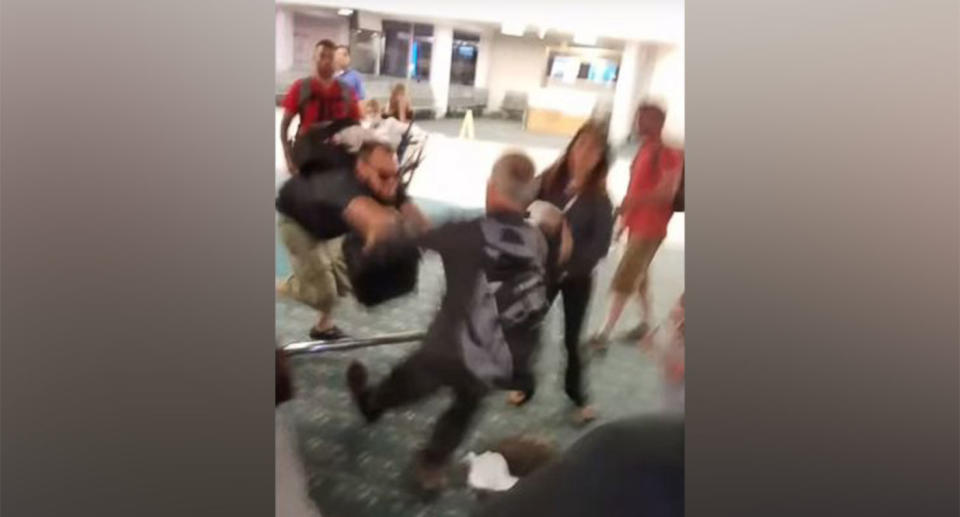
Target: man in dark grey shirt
<point>469,347</point>
<point>316,210</point>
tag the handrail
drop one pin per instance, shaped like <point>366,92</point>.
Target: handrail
<point>336,345</point>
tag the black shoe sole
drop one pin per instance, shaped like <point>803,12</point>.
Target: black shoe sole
<point>357,385</point>
<point>331,334</point>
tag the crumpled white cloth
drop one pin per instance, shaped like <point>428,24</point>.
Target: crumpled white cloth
<point>389,131</point>
<point>489,471</point>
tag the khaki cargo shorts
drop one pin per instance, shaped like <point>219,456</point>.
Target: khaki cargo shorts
<point>319,271</point>
<point>631,274</point>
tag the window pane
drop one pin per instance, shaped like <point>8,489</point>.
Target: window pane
<point>463,66</point>
<point>364,51</point>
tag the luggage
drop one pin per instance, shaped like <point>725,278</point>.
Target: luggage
<point>313,152</point>
<point>374,280</point>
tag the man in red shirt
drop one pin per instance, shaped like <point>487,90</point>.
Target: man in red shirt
<point>329,100</point>
<point>646,209</point>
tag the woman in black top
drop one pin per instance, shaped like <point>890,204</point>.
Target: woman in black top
<point>577,184</point>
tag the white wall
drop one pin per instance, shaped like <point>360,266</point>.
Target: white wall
<point>515,64</point>
<point>668,86</point>
<point>441,59</point>
<point>308,30</point>
<point>484,51</point>
<point>284,36</point>
<point>637,68</point>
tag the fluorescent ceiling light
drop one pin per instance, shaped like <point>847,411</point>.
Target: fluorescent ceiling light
<point>345,12</point>
<point>585,39</point>
<point>513,29</point>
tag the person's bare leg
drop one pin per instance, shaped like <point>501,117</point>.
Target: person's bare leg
<point>617,303</point>
<point>324,321</point>
<point>642,329</point>
<point>644,296</point>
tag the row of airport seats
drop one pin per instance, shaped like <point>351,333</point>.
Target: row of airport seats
<point>422,100</point>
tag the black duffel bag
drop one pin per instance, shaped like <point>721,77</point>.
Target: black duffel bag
<point>387,272</point>
<point>313,151</point>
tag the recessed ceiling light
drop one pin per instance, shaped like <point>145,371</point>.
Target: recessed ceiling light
<point>345,12</point>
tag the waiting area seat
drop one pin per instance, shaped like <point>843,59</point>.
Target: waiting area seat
<point>423,102</point>
<point>514,104</point>
<point>463,98</point>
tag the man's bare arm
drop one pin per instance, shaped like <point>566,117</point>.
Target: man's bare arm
<point>285,141</point>
<point>566,244</point>
<point>370,219</point>
<point>413,214</point>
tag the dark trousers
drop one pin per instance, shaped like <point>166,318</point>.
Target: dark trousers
<point>576,292</point>
<point>421,375</point>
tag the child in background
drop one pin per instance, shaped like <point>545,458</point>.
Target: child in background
<point>372,114</point>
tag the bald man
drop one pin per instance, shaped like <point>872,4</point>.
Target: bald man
<point>489,320</point>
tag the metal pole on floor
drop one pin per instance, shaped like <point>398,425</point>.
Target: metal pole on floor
<point>339,345</point>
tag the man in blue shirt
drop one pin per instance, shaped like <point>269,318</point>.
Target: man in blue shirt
<point>346,74</point>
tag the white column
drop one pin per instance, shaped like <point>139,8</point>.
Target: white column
<point>440,61</point>
<point>484,51</point>
<point>284,40</point>
<point>636,69</point>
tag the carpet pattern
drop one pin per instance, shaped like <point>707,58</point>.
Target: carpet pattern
<point>357,470</point>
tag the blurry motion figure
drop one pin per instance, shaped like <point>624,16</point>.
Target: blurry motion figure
<point>646,209</point>
<point>399,104</point>
<point>489,320</point>
<point>667,343</point>
<point>632,467</point>
<point>292,486</point>
<point>351,77</point>
<point>576,184</point>
<point>318,100</point>
<point>321,213</point>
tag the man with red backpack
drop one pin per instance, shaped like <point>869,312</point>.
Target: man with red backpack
<point>656,179</point>
<point>318,100</point>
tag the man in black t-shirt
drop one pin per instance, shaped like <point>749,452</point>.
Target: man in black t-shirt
<point>318,210</point>
<point>472,346</point>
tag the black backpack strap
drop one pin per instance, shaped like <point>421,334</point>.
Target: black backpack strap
<point>306,94</point>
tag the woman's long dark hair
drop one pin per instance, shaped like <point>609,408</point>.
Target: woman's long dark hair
<point>555,178</point>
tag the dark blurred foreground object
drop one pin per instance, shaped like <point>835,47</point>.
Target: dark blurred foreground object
<point>284,385</point>
<point>525,455</point>
<point>678,199</point>
<point>632,467</point>
<point>313,152</point>
<point>377,279</point>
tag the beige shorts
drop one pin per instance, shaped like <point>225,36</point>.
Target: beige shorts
<point>631,274</point>
<point>319,271</point>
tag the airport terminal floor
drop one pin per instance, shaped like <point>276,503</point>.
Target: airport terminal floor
<point>359,470</point>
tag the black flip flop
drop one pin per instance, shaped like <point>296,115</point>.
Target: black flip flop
<point>331,334</point>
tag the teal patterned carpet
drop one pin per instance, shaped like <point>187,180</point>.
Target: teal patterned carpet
<point>364,471</point>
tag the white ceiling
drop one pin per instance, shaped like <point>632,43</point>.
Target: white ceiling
<point>639,20</point>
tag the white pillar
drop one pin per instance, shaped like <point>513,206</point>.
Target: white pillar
<point>440,61</point>
<point>636,69</point>
<point>484,51</point>
<point>284,40</point>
